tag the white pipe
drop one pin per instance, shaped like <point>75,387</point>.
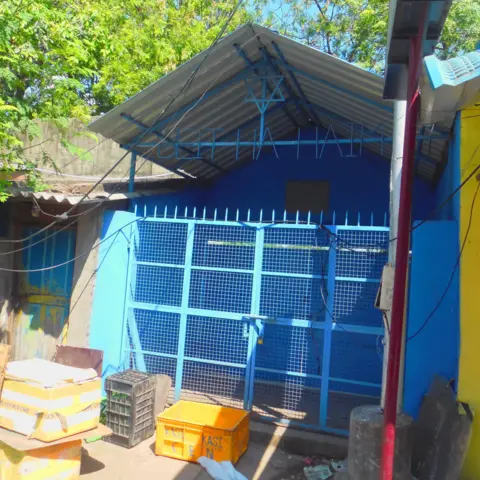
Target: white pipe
<point>398,137</point>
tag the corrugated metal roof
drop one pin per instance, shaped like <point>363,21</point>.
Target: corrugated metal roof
<point>95,197</point>
<point>448,86</point>
<point>337,89</point>
<point>405,20</point>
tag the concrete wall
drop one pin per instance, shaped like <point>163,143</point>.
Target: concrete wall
<point>469,384</point>
<point>358,185</point>
<point>84,277</point>
<point>106,331</point>
<point>104,153</point>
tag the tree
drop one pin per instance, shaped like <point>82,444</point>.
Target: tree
<point>356,30</point>
<point>70,59</point>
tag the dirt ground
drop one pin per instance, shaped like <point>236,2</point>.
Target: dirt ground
<point>103,460</point>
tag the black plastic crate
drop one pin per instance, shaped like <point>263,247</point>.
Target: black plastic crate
<point>130,411</point>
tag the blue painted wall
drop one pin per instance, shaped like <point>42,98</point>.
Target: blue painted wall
<point>445,187</point>
<point>435,350</point>
<point>106,325</point>
<point>358,185</point>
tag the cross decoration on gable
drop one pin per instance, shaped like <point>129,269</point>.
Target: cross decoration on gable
<point>270,91</point>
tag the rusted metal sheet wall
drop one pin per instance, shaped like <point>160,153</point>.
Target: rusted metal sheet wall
<point>40,321</point>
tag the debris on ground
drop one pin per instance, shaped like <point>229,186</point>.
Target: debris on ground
<point>339,466</point>
<point>322,469</point>
<point>319,472</point>
<point>220,470</point>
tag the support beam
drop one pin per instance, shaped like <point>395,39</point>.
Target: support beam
<point>290,92</point>
<point>251,65</point>
<point>163,137</point>
<point>338,88</point>
<point>133,166</point>
<point>292,77</point>
<point>170,169</point>
<point>228,83</point>
<point>279,143</point>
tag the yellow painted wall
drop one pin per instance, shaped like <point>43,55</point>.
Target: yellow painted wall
<point>469,374</point>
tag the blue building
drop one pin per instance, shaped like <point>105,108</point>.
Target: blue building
<point>254,283</point>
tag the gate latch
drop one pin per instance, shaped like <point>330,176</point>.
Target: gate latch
<point>258,323</point>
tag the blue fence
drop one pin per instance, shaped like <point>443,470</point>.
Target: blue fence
<point>274,317</point>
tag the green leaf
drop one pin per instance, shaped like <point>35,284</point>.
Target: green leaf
<point>8,107</point>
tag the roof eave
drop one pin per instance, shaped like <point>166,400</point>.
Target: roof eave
<point>405,21</point>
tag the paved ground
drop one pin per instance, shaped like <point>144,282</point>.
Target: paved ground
<point>103,460</point>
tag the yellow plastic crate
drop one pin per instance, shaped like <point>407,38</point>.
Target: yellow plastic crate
<point>58,461</point>
<point>190,430</point>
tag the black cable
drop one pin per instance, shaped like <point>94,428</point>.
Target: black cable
<point>455,268</point>
<point>80,255</point>
<point>422,222</point>
<point>145,133</point>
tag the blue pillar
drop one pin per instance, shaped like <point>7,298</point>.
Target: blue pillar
<point>108,312</point>
<point>255,310</point>
<point>327,339</point>
<point>183,316</point>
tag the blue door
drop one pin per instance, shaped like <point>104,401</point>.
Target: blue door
<point>41,319</point>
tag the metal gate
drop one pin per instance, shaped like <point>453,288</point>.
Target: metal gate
<point>273,317</point>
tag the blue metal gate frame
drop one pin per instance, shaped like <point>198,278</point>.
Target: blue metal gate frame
<point>215,348</point>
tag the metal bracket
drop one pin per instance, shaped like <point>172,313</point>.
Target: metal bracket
<point>258,323</point>
<point>384,298</point>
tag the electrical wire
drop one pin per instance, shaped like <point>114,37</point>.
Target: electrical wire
<point>80,255</point>
<point>452,276</point>
<point>145,133</point>
<point>92,177</point>
<point>422,222</point>
<point>106,198</point>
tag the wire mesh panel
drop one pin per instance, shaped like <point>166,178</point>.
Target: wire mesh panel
<point>354,303</point>
<point>157,332</point>
<point>158,285</point>
<point>209,298</point>
<point>221,291</point>
<point>288,373</point>
<point>293,298</point>
<point>193,268</point>
<point>215,361</point>
<point>161,242</point>
<point>224,246</point>
<point>296,250</point>
<point>356,352</point>
<point>216,339</point>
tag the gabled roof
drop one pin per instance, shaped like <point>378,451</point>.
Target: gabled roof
<point>320,90</point>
